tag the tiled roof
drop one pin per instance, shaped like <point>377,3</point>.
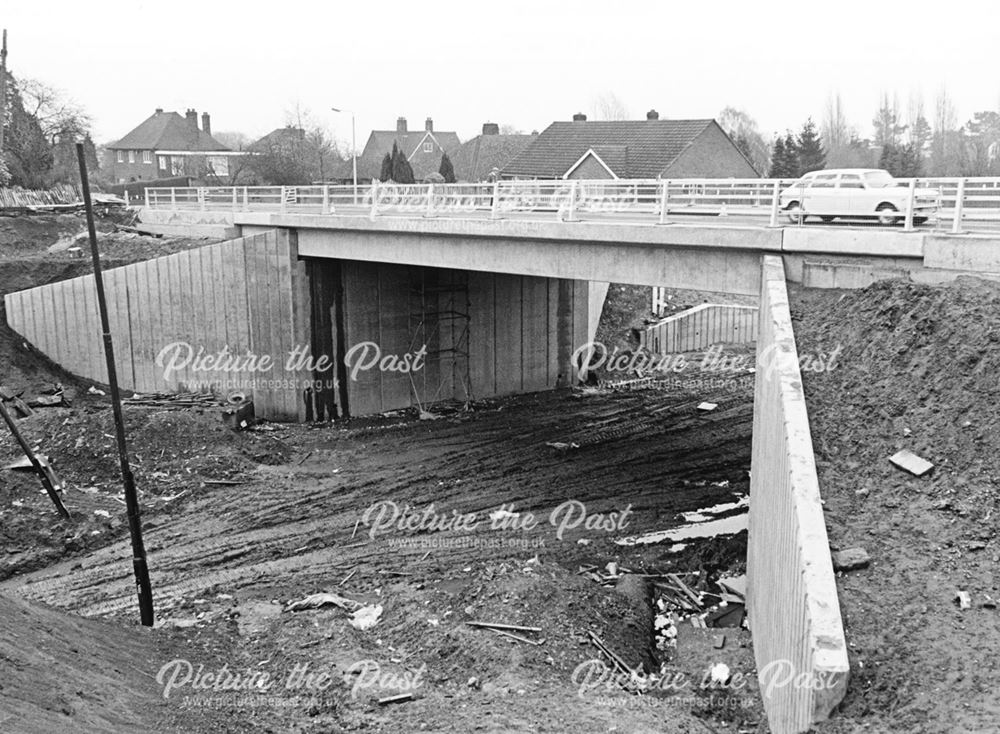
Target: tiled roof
<point>478,157</point>
<point>167,131</point>
<point>631,148</point>
<point>279,136</point>
<point>380,142</point>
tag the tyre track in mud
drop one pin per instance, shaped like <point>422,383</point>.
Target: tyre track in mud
<point>290,529</point>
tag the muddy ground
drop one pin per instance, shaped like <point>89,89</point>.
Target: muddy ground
<point>918,370</point>
<point>289,521</point>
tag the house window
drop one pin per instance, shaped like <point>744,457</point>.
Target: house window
<point>131,156</point>
<point>176,165</point>
<point>218,164</point>
<point>429,147</point>
<point>147,156</point>
<point>162,162</point>
<point>121,156</point>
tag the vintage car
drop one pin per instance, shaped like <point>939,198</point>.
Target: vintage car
<point>856,193</point>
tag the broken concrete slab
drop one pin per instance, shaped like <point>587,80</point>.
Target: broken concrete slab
<point>909,461</point>
<point>850,559</point>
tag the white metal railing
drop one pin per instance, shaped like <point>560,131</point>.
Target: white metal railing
<point>956,204</point>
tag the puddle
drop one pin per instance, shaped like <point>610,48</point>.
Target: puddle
<point>700,525</point>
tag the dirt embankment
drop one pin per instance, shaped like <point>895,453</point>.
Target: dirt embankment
<point>918,369</point>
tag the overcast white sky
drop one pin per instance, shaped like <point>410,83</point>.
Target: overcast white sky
<point>525,63</point>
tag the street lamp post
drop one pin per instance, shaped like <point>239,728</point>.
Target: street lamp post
<point>354,152</point>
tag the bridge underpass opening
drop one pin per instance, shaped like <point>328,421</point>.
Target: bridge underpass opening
<point>386,337</point>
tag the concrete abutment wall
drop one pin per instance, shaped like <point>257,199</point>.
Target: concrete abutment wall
<point>792,598</point>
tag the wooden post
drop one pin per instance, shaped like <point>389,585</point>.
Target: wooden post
<point>143,587</point>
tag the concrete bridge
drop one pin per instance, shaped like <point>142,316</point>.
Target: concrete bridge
<point>493,306</point>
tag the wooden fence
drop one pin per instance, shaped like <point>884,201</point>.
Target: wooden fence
<point>246,298</point>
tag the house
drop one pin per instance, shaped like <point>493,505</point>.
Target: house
<point>166,145</point>
<point>482,158</point>
<point>422,148</point>
<point>649,149</point>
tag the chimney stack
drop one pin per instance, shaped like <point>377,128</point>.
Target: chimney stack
<point>159,110</point>
<point>206,123</point>
<point>491,128</point>
<point>579,117</point>
<point>429,125</point>
<point>652,115</point>
<point>400,124</point>
<point>192,119</point>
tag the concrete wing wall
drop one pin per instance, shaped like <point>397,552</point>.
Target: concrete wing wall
<point>700,327</point>
<point>245,296</point>
<point>798,635</point>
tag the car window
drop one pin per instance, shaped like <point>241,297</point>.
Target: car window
<point>879,179</point>
<point>851,181</point>
<point>824,182</point>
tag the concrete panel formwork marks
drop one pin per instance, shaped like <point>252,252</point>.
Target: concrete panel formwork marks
<point>700,327</point>
<point>792,596</point>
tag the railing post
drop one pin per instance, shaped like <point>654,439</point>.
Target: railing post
<point>235,205</point>
<point>283,206</point>
<point>374,211</point>
<point>495,203</point>
<point>664,200</point>
<point>173,198</point>
<point>911,196</point>
<point>246,199</point>
<point>429,210</point>
<point>956,224</point>
<point>775,203</point>
<point>571,214</point>
<point>326,199</point>
<point>146,192</point>
<point>201,197</point>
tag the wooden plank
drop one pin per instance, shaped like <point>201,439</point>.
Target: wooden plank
<point>301,309</point>
<point>284,325</point>
<point>361,324</point>
<point>482,339</point>
<point>211,277</point>
<point>138,297</point>
<point>117,296</point>
<point>396,333</point>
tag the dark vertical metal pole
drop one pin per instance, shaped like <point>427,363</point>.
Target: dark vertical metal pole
<point>131,502</point>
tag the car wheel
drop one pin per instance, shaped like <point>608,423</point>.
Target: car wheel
<point>884,217</point>
<point>794,212</point>
<point>827,219</point>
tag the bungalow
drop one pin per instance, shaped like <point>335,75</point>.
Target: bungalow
<point>649,149</point>
<point>166,145</point>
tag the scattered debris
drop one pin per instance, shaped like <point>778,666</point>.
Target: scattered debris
<point>512,636</point>
<point>910,462</point>
<point>720,673</point>
<point>560,446</point>
<point>963,600</point>
<point>366,617</point>
<point>707,407</point>
<point>850,559</point>
<point>315,601</point>
<point>239,417</point>
<point>497,625</point>
<point>400,698</point>
<point>719,642</point>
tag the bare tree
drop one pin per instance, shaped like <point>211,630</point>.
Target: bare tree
<point>743,129</point>
<point>57,115</point>
<point>607,106</point>
<point>834,128</point>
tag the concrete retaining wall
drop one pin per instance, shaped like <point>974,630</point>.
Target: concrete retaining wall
<point>189,223</point>
<point>700,327</point>
<point>245,295</point>
<point>792,596</point>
